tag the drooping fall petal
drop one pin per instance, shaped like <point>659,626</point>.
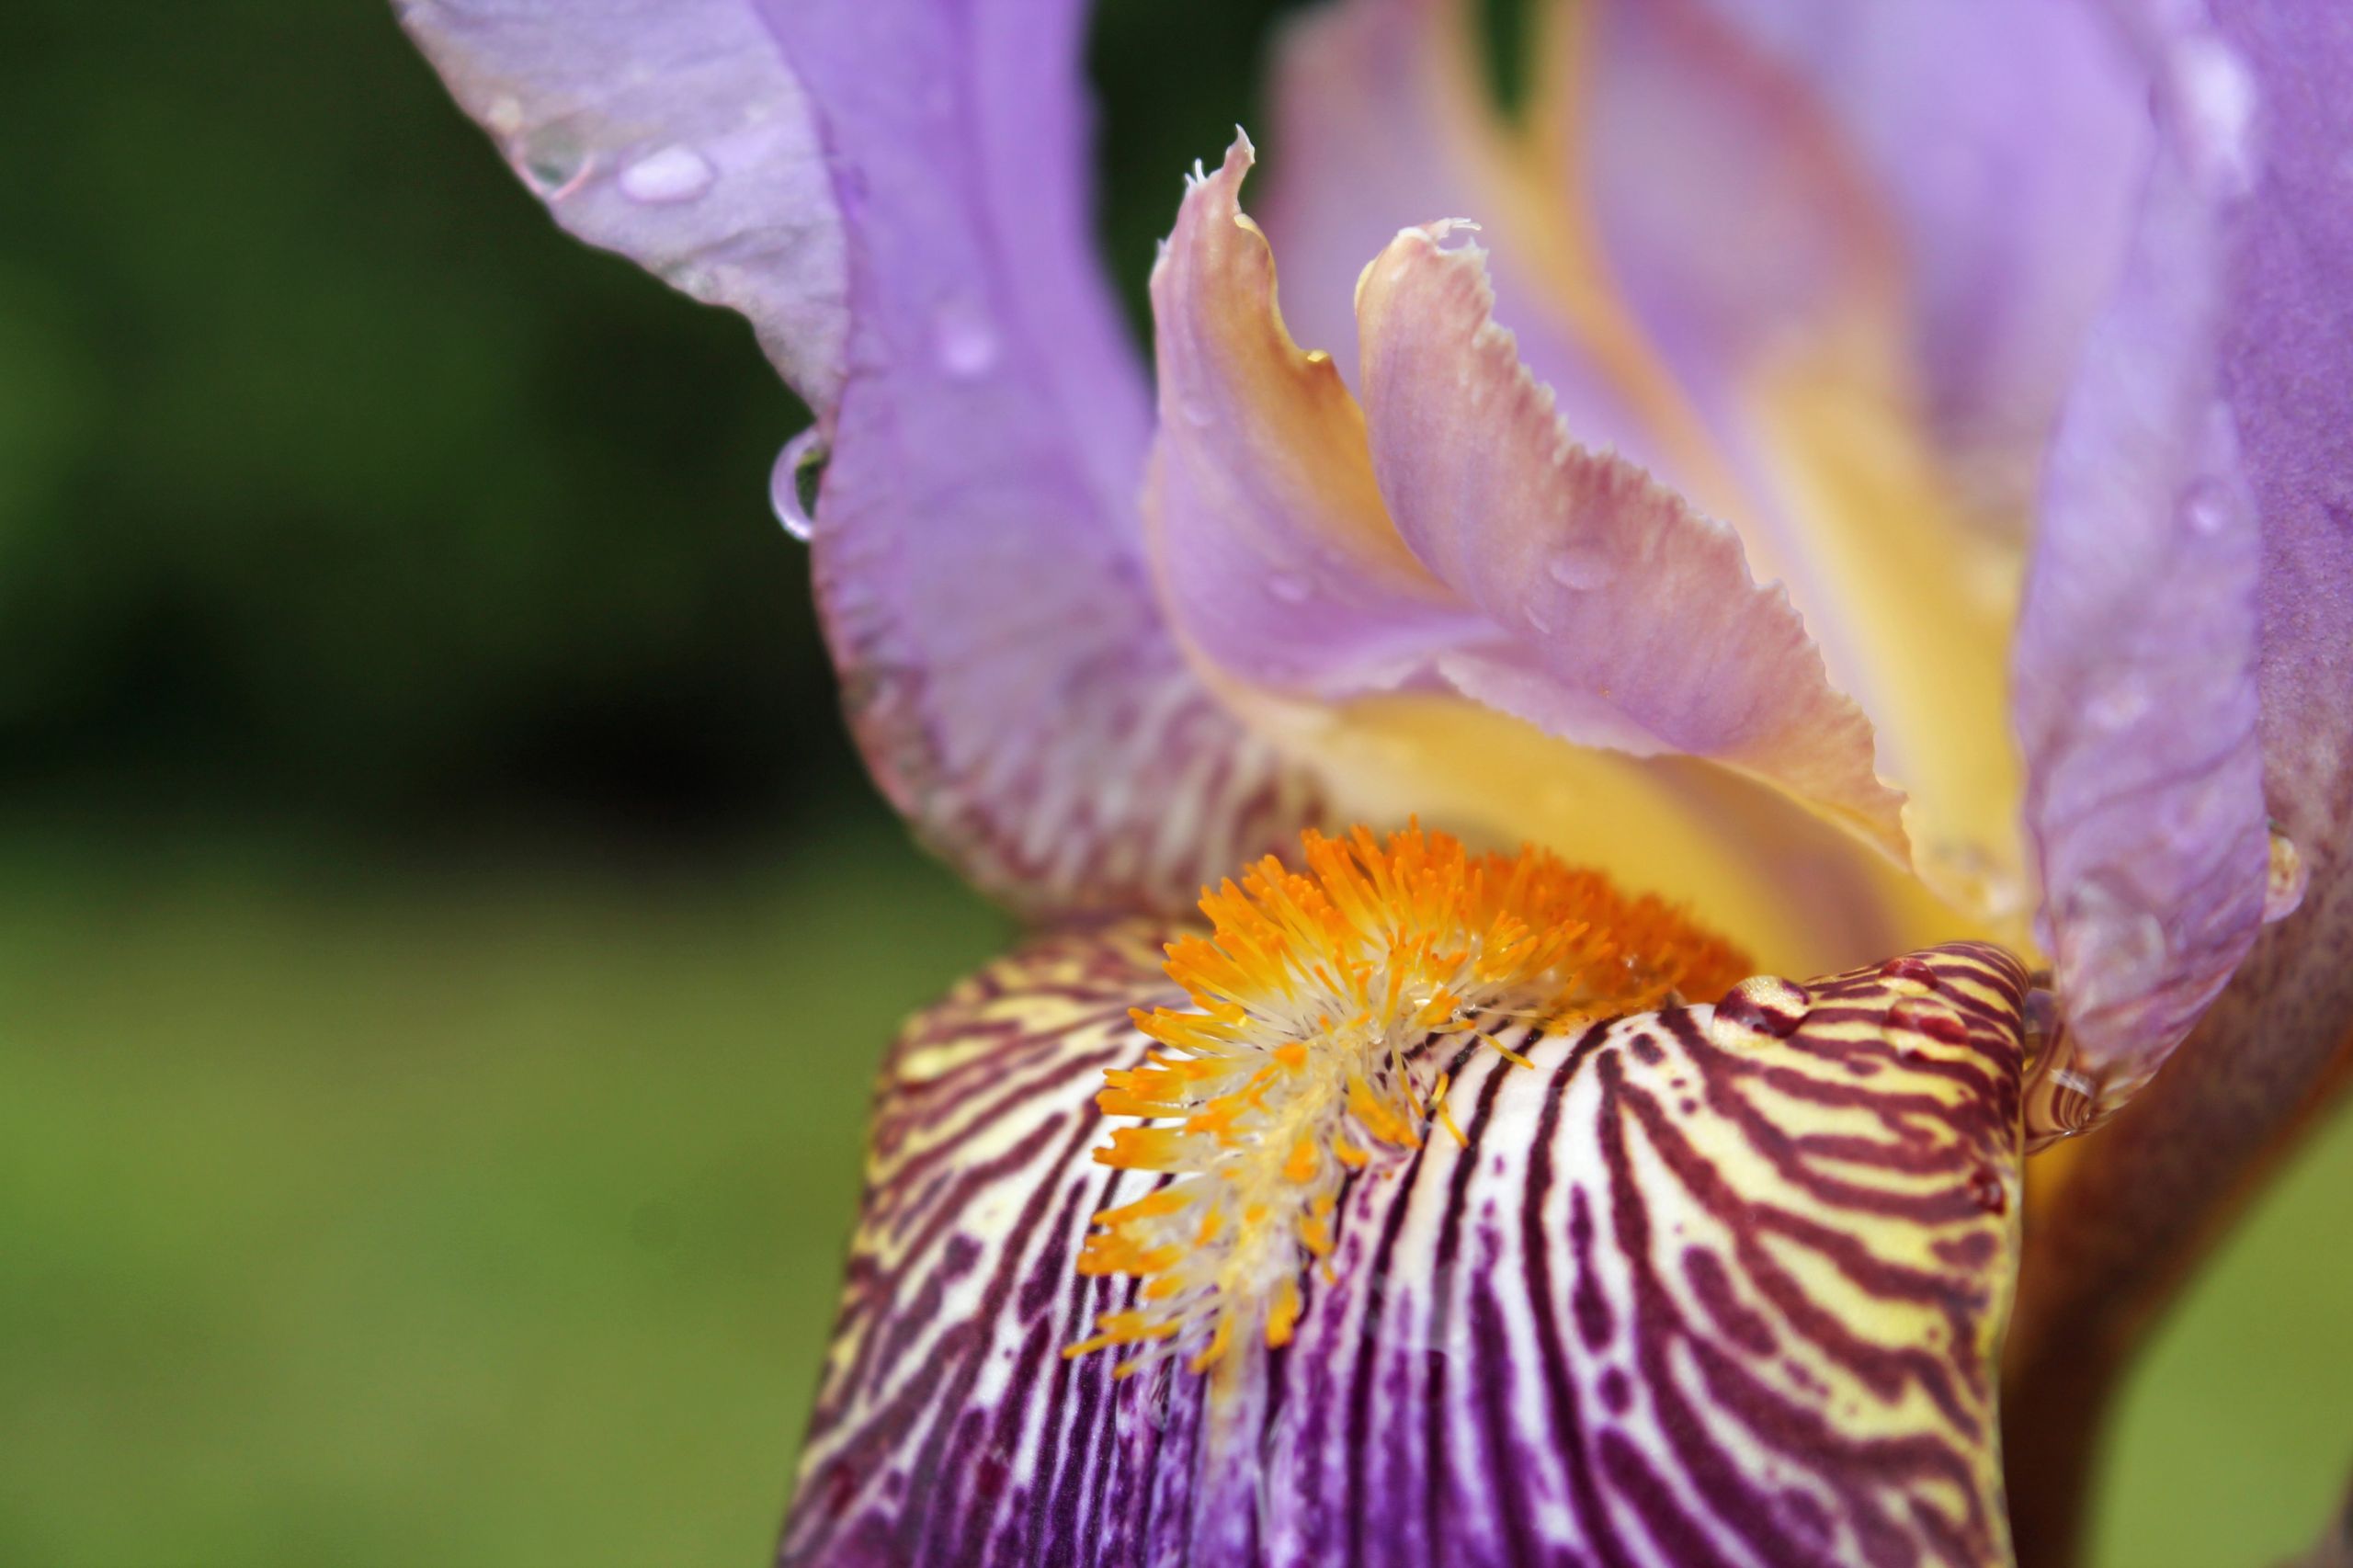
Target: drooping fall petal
<point>1697,1286</point>
<point>921,267</point>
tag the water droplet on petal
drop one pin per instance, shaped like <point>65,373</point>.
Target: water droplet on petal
<point>964,339</point>
<point>2206,507</point>
<point>2284,884</point>
<point>553,162</point>
<point>673,174</point>
<point>793,482</point>
<point>1583,567</point>
<point>1988,1190</point>
<point>1927,1018</point>
<point>1537,621</point>
<point>2119,706</point>
<point>1762,1005</point>
<point>2219,94</point>
<point>2119,945</point>
<point>1291,587</point>
<point>2060,1099</point>
<point>1908,970</point>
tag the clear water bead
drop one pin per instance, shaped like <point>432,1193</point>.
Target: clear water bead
<point>2286,879</point>
<point>673,174</point>
<point>792,484</point>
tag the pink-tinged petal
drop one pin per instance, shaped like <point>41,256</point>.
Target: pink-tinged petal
<point>1622,617</point>
<point>1768,272</point>
<point>1286,576</point>
<point>2005,139</point>
<point>1269,533</point>
<point>1708,1285</point>
<point>675,133</point>
<point>978,551</point>
<point>2136,675</point>
<point>1381,122</point>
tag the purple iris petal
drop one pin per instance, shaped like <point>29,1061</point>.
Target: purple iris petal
<point>674,133</point>
<point>2136,677</point>
<point>977,547</point>
<point>2007,137</point>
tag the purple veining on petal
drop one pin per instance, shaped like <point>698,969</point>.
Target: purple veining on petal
<point>1765,1293</point>
<point>671,131</point>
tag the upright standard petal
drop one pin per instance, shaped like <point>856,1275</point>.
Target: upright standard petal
<point>675,133</point>
<point>1713,282</point>
<point>1706,1285</point>
<point>1416,668</point>
<point>2005,137</point>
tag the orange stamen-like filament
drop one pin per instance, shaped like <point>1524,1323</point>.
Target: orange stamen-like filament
<point>1299,1063</point>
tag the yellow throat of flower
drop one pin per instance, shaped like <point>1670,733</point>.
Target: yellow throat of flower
<point>1302,1059</point>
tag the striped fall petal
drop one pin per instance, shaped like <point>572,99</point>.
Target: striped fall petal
<point>1705,1284</point>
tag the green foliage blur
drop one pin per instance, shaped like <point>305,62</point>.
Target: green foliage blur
<point>445,936</point>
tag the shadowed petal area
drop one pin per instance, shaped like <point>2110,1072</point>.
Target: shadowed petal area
<point>674,133</point>
<point>1707,1284</point>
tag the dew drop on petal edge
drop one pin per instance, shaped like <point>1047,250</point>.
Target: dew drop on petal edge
<point>792,484</point>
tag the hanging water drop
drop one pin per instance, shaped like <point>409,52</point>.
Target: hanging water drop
<point>552,161</point>
<point>2059,1099</point>
<point>793,482</point>
<point>2285,880</point>
<point>673,174</point>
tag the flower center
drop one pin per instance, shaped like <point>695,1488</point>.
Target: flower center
<point>1302,1059</point>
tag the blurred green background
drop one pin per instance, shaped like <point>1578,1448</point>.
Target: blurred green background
<point>444,934</point>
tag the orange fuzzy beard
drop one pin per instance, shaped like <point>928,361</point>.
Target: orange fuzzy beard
<point>1314,989</point>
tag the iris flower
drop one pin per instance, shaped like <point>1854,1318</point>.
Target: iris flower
<point>1861,493</point>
